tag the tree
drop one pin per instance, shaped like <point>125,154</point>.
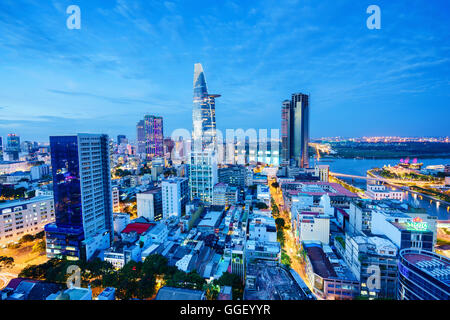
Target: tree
<point>234,281</point>
<point>39,247</point>
<point>280,237</point>
<point>285,259</point>
<point>6,262</point>
<point>26,238</point>
<point>280,223</point>
<point>261,205</point>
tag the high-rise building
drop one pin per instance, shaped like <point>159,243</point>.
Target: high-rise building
<point>1,148</point>
<point>12,147</point>
<point>150,137</point>
<point>140,137</point>
<point>121,139</point>
<point>295,130</point>
<point>174,196</point>
<point>203,175</point>
<point>82,196</point>
<point>203,160</point>
<point>149,204</point>
<point>203,112</point>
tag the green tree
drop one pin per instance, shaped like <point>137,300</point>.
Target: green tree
<point>39,247</point>
<point>261,205</point>
<point>6,262</point>
<point>26,238</point>
<point>280,223</point>
<point>234,281</point>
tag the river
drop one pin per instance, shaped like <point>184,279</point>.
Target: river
<point>360,166</point>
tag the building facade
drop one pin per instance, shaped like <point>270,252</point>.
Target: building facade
<point>175,195</point>
<point>21,217</point>
<point>423,275</point>
<point>150,137</point>
<point>149,204</point>
<point>295,130</point>
<point>82,196</point>
<point>203,175</point>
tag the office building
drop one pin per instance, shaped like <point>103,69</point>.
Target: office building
<point>21,217</point>
<point>295,130</point>
<point>12,147</point>
<point>175,195</point>
<point>233,175</point>
<point>423,275</point>
<point>150,137</point>
<point>122,139</point>
<point>368,256</point>
<point>149,204</point>
<point>402,230</point>
<point>116,199</point>
<point>322,171</point>
<point>82,196</point>
<point>202,175</point>
<point>203,113</point>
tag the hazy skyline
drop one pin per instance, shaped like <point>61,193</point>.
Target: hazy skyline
<point>135,57</point>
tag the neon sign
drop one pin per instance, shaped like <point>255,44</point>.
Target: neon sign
<point>417,225</point>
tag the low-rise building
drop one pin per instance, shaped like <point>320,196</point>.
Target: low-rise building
<point>329,276</point>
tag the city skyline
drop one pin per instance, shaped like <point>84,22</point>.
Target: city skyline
<point>97,79</point>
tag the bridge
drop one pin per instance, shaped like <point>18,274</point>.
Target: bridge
<point>343,175</point>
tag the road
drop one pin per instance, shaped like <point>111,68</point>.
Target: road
<point>5,277</point>
<point>290,245</point>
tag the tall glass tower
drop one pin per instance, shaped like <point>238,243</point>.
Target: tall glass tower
<point>13,146</point>
<point>203,112</point>
<point>203,161</point>
<point>150,137</point>
<point>82,196</point>
<point>295,130</point>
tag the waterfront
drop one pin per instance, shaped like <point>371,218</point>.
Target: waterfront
<point>360,166</point>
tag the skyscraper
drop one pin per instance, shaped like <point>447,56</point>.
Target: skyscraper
<point>203,162</point>
<point>203,175</point>
<point>12,147</point>
<point>82,196</point>
<point>203,111</point>
<point>140,137</point>
<point>175,195</point>
<point>295,130</point>
<point>150,137</point>
<point>121,139</point>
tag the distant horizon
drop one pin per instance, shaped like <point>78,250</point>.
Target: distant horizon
<point>114,137</point>
<point>133,58</point>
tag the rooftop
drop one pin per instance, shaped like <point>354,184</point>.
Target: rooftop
<point>319,261</point>
<point>171,293</point>
<point>13,203</point>
<point>435,265</point>
<point>139,228</point>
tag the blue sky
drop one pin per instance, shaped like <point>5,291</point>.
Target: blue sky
<point>136,57</point>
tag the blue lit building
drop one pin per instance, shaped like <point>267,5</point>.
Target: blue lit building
<point>423,275</point>
<point>203,111</point>
<point>13,147</point>
<point>82,196</point>
<point>295,130</point>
